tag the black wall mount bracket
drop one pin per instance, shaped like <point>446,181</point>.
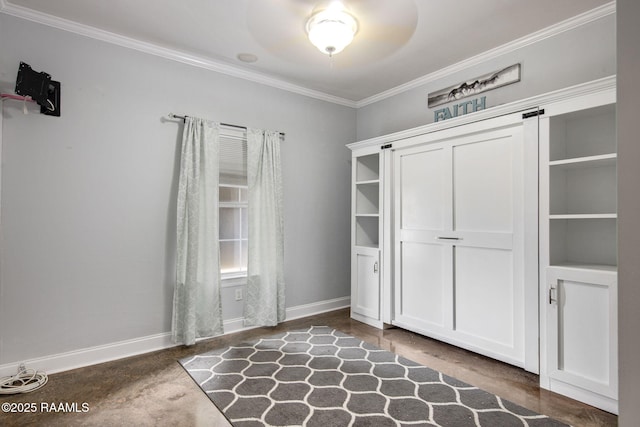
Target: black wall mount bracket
<point>40,87</point>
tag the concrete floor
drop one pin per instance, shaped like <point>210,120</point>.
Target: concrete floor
<point>154,390</point>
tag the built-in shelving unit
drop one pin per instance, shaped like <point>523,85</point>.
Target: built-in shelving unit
<point>366,236</point>
<point>578,239</point>
<point>367,200</point>
<point>582,188</point>
<point>568,316</point>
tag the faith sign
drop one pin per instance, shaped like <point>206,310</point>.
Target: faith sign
<point>460,109</point>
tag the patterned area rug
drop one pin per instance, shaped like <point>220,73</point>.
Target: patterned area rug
<point>323,377</point>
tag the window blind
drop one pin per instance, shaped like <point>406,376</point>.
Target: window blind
<point>233,160</point>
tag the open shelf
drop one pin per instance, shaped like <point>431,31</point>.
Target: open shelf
<point>586,162</point>
<point>583,189</point>
<point>582,166</point>
<point>590,267</point>
<point>368,168</point>
<point>583,133</point>
<point>367,246</point>
<point>583,216</point>
<point>366,205</point>
<point>583,241</point>
<point>367,231</point>
<point>367,198</point>
<point>368,182</point>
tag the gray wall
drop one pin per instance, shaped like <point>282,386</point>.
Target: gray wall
<point>88,199</point>
<point>628,210</point>
<point>577,56</point>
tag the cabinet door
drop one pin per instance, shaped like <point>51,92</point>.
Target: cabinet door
<point>581,329</point>
<point>423,266</point>
<point>488,220</point>
<point>459,259</point>
<point>365,292</point>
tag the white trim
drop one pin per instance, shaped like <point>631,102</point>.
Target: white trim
<point>104,353</point>
<point>317,307</point>
<point>233,282</point>
<point>92,355</point>
<point>202,62</point>
<point>594,399</point>
<point>593,87</point>
<point>538,36</point>
<point>163,52</point>
<point>297,312</point>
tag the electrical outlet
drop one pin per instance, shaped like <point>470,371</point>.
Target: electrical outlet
<point>238,294</point>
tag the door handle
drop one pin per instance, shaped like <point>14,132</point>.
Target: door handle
<point>375,267</point>
<point>553,297</point>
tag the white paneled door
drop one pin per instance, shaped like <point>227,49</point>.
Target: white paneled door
<point>365,297</point>
<point>459,255</point>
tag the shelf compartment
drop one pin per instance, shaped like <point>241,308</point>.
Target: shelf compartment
<point>367,231</point>
<point>583,186</point>
<point>588,241</point>
<point>368,168</point>
<point>583,133</point>
<point>367,198</point>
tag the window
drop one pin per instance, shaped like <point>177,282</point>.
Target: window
<point>233,231</point>
<point>233,204</point>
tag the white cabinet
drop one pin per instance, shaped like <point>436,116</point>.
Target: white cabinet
<point>578,250</point>
<point>463,272</point>
<point>582,333</point>
<point>366,236</point>
<point>365,293</point>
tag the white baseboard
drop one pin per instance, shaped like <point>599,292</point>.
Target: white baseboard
<point>590,398</point>
<point>91,355</point>
<point>118,350</point>
<point>297,312</point>
<point>317,307</point>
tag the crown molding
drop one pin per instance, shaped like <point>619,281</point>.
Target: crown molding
<point>545,33</point>
<point>223,68</point>
<point>175,55</point>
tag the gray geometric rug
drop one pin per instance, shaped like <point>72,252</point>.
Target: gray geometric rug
<point>322,377</point>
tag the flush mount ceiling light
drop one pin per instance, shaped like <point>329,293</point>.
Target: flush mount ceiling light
<point>332,29</point>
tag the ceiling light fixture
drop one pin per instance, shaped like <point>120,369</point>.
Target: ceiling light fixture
<point>332,29</point>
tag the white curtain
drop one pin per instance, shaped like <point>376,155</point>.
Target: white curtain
<point>264,303</point>
<point>197,309</point>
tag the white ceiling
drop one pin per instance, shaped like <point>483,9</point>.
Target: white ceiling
<point>398,41</point>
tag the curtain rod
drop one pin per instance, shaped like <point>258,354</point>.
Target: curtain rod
<point>184,118</point>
